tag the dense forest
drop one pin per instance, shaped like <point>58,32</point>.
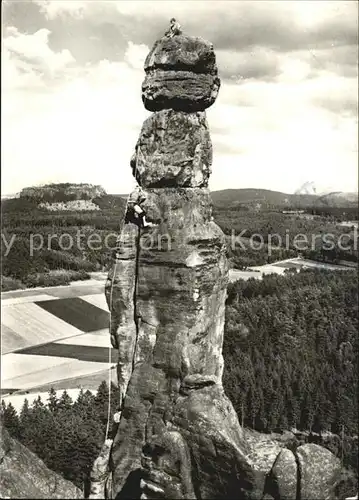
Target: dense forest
<point>320,235</point>
<point>291,345</point>
<point>291,354</point>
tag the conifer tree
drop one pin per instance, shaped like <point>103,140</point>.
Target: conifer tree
<point>101,402</point>
<point>10,419</point>
<point>53,401</point>
<point>65,402</point>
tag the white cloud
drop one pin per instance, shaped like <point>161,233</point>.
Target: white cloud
<point>307,14</point>
<point>55,8</point>
<point>29,57</point>
<point>294,70</point>
<point>66,122</point>
<point>313,12</point>
<point>83,129</point>
<point>278,136</point>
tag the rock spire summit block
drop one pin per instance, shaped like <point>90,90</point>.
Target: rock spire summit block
<point>181,74</point>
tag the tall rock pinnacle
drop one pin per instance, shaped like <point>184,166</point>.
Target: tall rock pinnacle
<point>178,434</point>
<point>168,298</point>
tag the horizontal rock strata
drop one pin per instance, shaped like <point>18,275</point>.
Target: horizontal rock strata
<point>181,74</point>
<point>178,435</point>
<point>174,150</point>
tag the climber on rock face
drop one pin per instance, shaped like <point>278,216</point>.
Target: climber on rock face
<point>135,213</point>
<point>174,29</point>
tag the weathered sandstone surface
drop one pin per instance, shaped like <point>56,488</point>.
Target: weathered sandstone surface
<point>24,475</point>
<point>285,475</point>
<point>181,74</point>
<point>319,471</point>
<point>174,149</point>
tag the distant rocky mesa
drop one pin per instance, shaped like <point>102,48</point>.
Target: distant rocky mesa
<point>63,192</point>
<point>178,435</point>
<point>65,196</point>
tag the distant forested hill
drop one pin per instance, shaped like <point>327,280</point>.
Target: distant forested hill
<point>58,261</point>
<point>267,198</point>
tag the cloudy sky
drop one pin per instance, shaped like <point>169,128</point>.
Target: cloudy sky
<point>286,112</point>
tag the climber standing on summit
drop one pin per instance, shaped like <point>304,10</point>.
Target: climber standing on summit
<point>174,29</point>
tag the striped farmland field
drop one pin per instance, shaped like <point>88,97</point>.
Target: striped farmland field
<point>77,312</point>
<point>34,325</point>
<point>98,300</point>
<point>73,291</point>
<point>80,352</point>
<point>56,336</point>
<point>27,298</point>
<point>97,339</point>
<point>44,369</point>
<point>91,381</point>
<point>16,365</point>
<point>10,340</point>
<point>32,292</point>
